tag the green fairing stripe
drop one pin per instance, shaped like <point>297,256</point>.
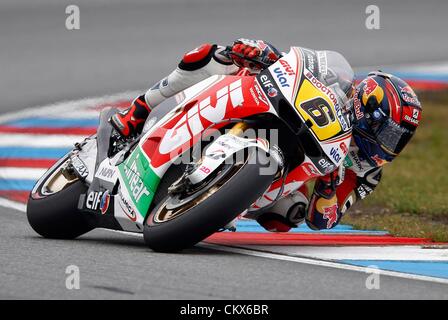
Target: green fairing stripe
<point>140,190</point>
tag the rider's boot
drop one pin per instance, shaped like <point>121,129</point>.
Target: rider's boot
<point>287,213</point>
<point>130,121</point>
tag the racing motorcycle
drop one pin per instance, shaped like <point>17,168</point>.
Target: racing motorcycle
<point>139,184</point>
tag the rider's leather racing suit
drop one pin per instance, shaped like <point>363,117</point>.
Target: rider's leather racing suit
<point>332,195</point>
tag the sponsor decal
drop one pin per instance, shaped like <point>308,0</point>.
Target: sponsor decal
<point>260,94</point>
<point>334,153</point>
<point>272,92</point>
<point>104,203</point>
<point>310,169</point>
<point>409,95</point>
<point>369,86</point>
<point>331,214</point>
<point>204,169</point>
<point>415,113</point>
<point>281,77</point>
<point>93,200</point>
<point>202,112</point>
<point>310,61</point>
<point>266,82</point>
<point>329,93</point>
<point>287,67</point>
<point>356,159</point>
<point>343,148</point>
<point>106,172</point>
<point>135,181</point>
<point>80,167</point>
<point>411,120</point>
<point>327,166</point>
<point>254,96</point>
<point>127,208</point>
<point>364,191</point>
<point>415,118</point>
<point>372,89</point>
<point>357,106</point>
<point>322,62</point>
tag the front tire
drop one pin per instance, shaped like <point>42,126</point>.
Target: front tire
<point>209,215</point>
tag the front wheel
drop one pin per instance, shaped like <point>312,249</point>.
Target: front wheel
<point>181,222</point>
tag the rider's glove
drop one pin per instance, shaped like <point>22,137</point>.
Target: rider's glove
<point>253,54</point>
<point>326,186</point>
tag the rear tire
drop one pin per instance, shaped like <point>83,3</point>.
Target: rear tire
<point>205,218</point>
<point>56,215</point>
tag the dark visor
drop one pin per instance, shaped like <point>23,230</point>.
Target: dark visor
<point>391,136</point>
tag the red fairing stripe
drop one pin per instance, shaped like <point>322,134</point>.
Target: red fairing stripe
<point>197,54</point>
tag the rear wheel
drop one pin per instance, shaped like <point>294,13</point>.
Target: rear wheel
<point>52,205</point>
<point>181,221</point>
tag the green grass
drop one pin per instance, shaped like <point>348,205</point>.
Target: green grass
<point>412,198</point>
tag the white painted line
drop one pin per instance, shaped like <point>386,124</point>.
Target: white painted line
<point>66,107</point>
<point>12,204</point>
<point>38,140</point>
<point>321,263</point>
<point>21,173</point>
<point>397,253</point>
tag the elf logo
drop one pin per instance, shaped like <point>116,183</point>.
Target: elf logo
<point>94,200</point>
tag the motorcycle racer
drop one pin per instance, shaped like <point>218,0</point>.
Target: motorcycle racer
<point>385,113</point>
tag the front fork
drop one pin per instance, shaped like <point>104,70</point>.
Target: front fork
<point>228,147</point>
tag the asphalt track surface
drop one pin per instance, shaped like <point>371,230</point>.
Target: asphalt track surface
<point>129,46</point>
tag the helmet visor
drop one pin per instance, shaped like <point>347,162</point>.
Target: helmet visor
<point>391,136</point>
<point>371,150</point>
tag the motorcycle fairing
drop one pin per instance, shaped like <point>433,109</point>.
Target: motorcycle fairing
<point>219,99</point>
<point>319,106</point>
<point>226,98</point>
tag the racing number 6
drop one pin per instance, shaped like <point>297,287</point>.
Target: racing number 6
<point>319,110</point>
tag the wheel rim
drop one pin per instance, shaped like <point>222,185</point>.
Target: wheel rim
<point>58,180</point>
<point>168,210</point>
